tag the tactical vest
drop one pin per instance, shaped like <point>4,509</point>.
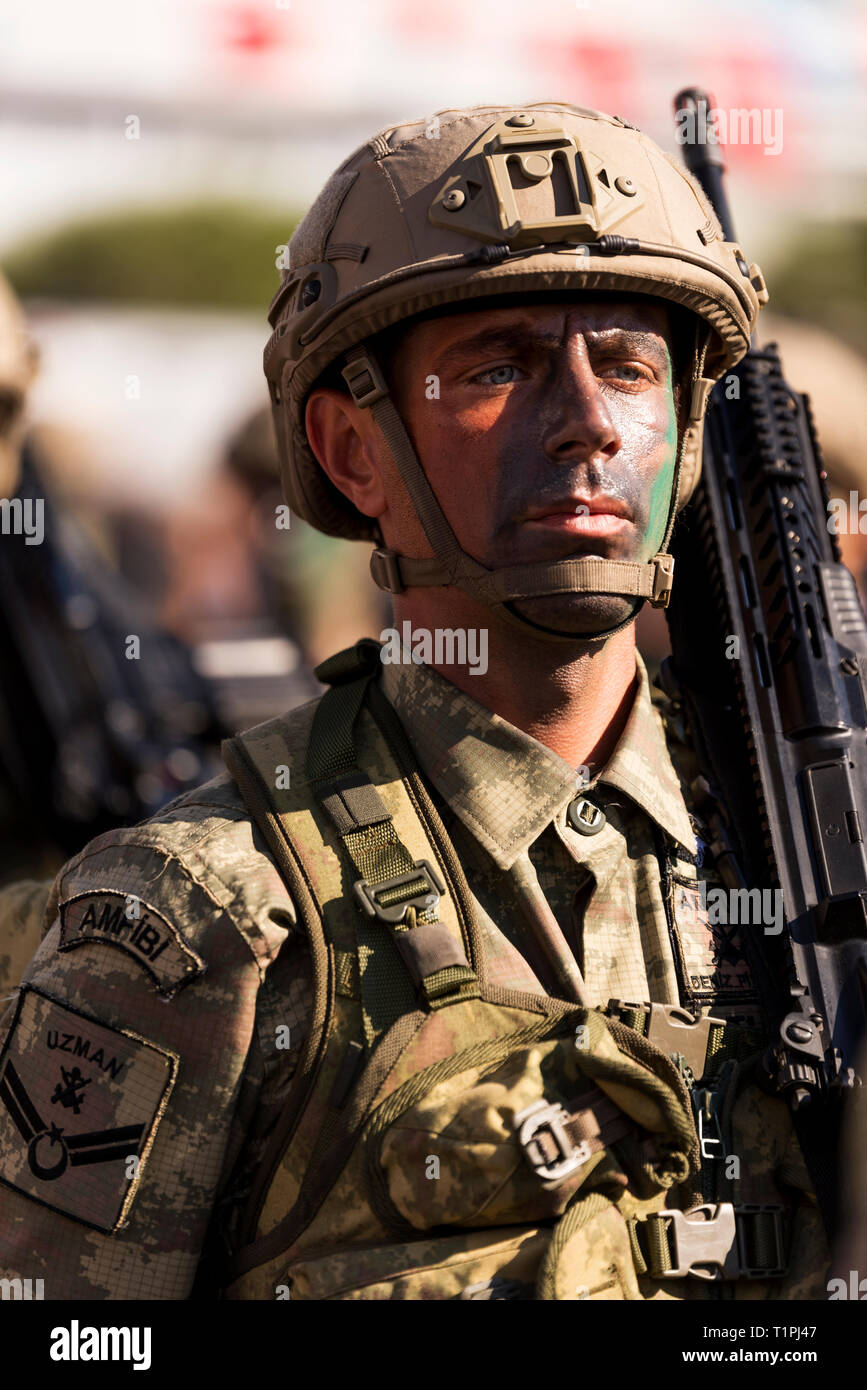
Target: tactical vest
<point>445,1137</point>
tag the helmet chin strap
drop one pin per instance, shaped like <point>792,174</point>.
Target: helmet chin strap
<point>649,580</point>
<point>555,634</point>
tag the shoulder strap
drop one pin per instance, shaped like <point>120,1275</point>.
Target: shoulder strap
<point>402,945</point>
<point>403,949</point>
<point>258,799</point>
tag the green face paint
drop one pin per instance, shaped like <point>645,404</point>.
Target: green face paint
<point>660,490</point>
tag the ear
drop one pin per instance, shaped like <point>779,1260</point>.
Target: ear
<point>342,437</point>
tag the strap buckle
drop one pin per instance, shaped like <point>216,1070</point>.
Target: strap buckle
<point>703,1242</point>
<point>673,1030</point>
<point>385,571</point>
<point>711,1242</point>
<point>425,899</point>
<point>366,383</point>
<point>543,1117</point>
<point>663,579</point>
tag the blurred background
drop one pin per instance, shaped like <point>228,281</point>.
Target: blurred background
<point>155,158</point>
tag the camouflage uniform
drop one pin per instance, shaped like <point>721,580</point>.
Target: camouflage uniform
<point>182,1034</point>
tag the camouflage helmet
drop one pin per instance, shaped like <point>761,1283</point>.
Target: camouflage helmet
<point>480,203</point>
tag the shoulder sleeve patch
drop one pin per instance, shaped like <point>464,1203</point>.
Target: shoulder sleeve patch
<point>708,949</point>
<point>122,920</point>
<point>79,1108</point>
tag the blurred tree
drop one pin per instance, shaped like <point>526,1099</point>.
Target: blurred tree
<point>220,254</point>
<point>821,277</point>
<point>224,254</point>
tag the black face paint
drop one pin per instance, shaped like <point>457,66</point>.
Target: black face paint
<point>640,476</point>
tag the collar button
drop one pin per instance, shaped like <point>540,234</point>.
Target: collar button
<point>584,816</point>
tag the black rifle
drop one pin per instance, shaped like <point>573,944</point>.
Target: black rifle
<point>779,715</point>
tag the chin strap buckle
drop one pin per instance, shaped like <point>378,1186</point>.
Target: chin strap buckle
<point>385,571</point>
<point>663,579</point>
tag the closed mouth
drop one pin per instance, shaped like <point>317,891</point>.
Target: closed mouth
<point>581,507</point>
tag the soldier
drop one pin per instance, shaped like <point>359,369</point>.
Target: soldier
<point>424,999</point>
<point>89,739</point>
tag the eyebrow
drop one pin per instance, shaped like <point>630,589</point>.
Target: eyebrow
<point>521,335</point>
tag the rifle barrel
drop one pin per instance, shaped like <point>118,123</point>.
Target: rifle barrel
<point>702,152</point>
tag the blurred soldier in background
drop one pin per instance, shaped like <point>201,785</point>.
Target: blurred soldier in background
<point>317,586</point>
<point>258,595</point>
<point>102,717</point>
<point>113,714</point>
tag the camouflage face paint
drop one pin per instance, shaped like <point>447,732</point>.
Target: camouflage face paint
<point>538,404</point>
<point>661,487</point>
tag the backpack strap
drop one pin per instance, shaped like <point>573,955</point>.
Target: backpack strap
<point>403,948</point>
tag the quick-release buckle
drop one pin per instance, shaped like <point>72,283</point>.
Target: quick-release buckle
<point>426,899</point>
<point>674,1030</point>
<point>703,1242</point>
<point>550,1118</point>
<point>710,1242</point>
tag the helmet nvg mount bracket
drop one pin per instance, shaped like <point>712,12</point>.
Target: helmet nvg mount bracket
<point>482,203</point>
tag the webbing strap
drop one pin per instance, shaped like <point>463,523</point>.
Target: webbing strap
<point>331,751</point>
<point>350,798</point>
<point>347,793</point>
<point>587,574</point>
<point>401,943</point>
<point>735,1042</point>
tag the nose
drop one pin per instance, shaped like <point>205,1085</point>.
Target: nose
<point>577,424</point>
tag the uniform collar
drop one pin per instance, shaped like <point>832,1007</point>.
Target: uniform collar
<point>641,766</point>
<point>504,785</point>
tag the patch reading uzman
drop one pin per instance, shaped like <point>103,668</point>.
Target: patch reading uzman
<point>78,1100</point>
<point>124,921</point>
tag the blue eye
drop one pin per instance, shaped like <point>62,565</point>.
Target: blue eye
<point>495,375</point>
<point>637,373</point>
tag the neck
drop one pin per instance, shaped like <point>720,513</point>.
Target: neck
<point>574,699</point>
